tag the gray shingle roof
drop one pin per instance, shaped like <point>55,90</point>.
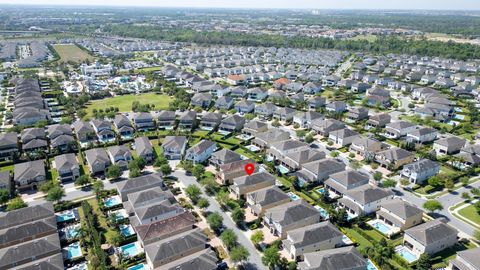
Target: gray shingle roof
<point>201,146</point>
<point>226,156</point>
<point>24,215</point>
<point>431,231</point>
<point>203,260</point>
<point>401,208</point>
<point>312,234</point>
<point>66,162</point>
<point>367,194</point>
<point>291,212</point>
<point>344,258</point>
<point>149,180</point>
<point>421,165</point>
<point>29,170</point>
<point>253,179</point>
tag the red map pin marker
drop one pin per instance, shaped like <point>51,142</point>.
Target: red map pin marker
<point>249,168</point>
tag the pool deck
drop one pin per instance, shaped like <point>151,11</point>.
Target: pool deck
<point>391,229</point>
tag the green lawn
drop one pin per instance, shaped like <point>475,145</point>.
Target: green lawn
<point>124,103</point>
<point>71,52</point>
<point>470,213</point>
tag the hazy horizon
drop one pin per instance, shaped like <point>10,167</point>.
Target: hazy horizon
<point>464,5</point>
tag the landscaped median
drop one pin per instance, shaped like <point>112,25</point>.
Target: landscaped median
<point>467,212</point>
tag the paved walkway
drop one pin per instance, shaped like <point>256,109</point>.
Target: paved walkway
<point>255,259</point>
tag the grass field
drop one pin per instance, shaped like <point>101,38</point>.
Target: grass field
<point>470,213</point>
<point>71,52</point>
<point>124,103</point>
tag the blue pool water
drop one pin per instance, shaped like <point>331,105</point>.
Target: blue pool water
<point>137,267</point>
<point>252,148</point>
<point>112,201</point>
<point>370,265</point>
<point>126,230</point>
<point>407,255</point>
<point>65,216</point>
<point>293,196</point>
<point>282,169</point>
<point>382,228</point>
<point>320,190</point>
<point>73,251</point>
<point>72,232</point>
<point>130,250</point>
<point>323,213</point>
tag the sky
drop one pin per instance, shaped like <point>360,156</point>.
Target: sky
<point>298,4</point>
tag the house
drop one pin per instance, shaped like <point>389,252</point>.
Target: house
<point>394,157</point>
<point>67,167</point>
<point>202,100</point>
<point>229,171</point>
<point>144,149</point>
<point>378,121</point>
<point>224,103</point>
<point>202,260</point>
<point>364,200</point>
<point>466,260</point>
<point>140,183</point>
<point>8,145</point>
<point>250,183</point>
<point>289,216</point>
<point>232,123</point>
<point>269,137</point>
<point>29,175</point>
<point>34,139</point>
<point>143,121</point>
<point>317,171</point>
<point>448,146</point>
<point>325,126</point>
<point>339,183</point>
<point>236,79</point>
<point>6,181</point>
<point>356,114</point>
<point>316,102</point>
<point>97,160</point>
<point>305,119</point>
<point>360,87</point>
<point>173,147</point>
<point>311,88</point>
<point>400,214</point>
<point>124,126</point>
<point>154,212</point>
<point>84,131</point>
<point>239,92</point>
<point>120,155</point>
<point>166,120</point>
<point>210,120</point>
<point>422,135</point>
<point>284,114</point>
<point>430,237</point>
<point>265,110</point>
<point>201,151</point>
<point>61,137</point>
<point>253,127</point>
<point>295,160</point>
<point>187,120</point>
<point>257,94</point>
<point>104,130</point>
<point>263,199</point>
<point>365,147</point>
<point>224,156</point>
<point>147,197</point>
<point>336,107</point>
<point>280,149</point>
<point>343,137</point>
<point>345,258</point>
<point>419,171</point>
<point>330,80</point>
<point>312,238</point>
<point>244,106</point>
<point>395,130</point>
<point>174,248</point>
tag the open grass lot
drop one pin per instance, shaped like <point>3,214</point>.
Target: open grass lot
<point>124,103</point>
<point>71,52</point>
<point>470,213</point>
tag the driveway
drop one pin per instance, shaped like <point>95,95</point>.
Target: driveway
<point>255,259</point>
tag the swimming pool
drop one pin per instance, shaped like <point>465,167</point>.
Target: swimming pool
<point>293,196</point>
<point>126,230</point>
<point>370,265</point>
<point>282,169</point>
<point>406,254</point>
<point>72,251</point>
<point>140,266</point>
<point>72,231</point>
<point>81,266</point>
<point>130,250</point>
<point>112,201</point>
<point>381,227</point>
<point>65,216</point>
<point>320,190</point>
<point>253,148</point>
<point>323,213</point>
<point>119,214</point>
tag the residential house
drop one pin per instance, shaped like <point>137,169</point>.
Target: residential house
<point>210,120</point>
<point>265,110</point>
<point>253,127</point>
<point>357,114</point>
<point>202,100</point>
<point>201,151</point>
<point>284,114</point>
<point>155,212</point>
<point>316,102</point>
<point>257,94</point>
<point>365,147</point>
<point>140,183</point>
<point>8,145</point>
<point>448,146</point>
<point>289,216</point>
<point>250,183</point>
<point>6,181</point>
<point>187,120</point>
<point>166,120</point>
<point>378,121</point>
<point>312,238</point>
<point>239,92</point>
<point>419,171</point>
<point>330,80</point>
<point>336,107</point>
<point>124,126</point>
<point>34,139</point>
<point>173,147</point>
<point>266,139</point>
<point>364,200</point>
<point>317,171</point>
<point>279,149</point>
<point>339,183</point>
<point>144,149</point>
<point>97,160</point>
<point>466,260</point>
<point>85,132</point>
<point>394,157</point>
<point>143,121</point>
<point>232,123</point>
<point>345,258</point>
<point>29,175</point>
<point>156,231</point>
<point>296,159</point>
<point>422,135</point>
<point>61,137</point>
<point>325,126</point>
<point>224,156</point>
<point>360,87</point>
<point>400,214</point>
<point>120,155</point>
<point>67,167</point>
<point>430,237</point>
<point>224,103</point>
<point>229,171</point>
<point>104,130</point>
<point>305,119</point>
<point>395,130</point>
<point>259,201</point>
<point>244,106</point>
<point>311,88</point>
<point>343,137</point>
